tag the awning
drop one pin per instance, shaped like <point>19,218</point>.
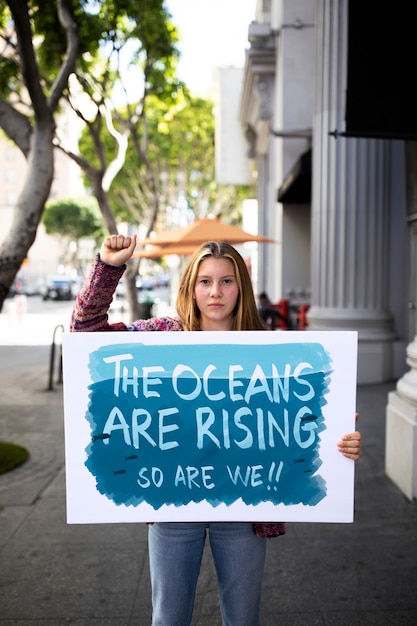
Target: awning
<point>296,186</point>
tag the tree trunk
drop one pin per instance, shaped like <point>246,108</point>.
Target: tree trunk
<point>36,144</point>
<point>131,291</point>
<point>29,209</point>
<point>103,202</point>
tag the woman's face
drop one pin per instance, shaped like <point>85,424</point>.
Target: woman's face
<point>216,292</point>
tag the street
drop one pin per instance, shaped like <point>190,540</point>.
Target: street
<point>31,321</point>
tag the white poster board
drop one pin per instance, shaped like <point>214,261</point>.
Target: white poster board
<point>218,426</point>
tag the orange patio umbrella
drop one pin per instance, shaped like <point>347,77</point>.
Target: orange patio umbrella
<point>184,240</point>
<point>156,252</point>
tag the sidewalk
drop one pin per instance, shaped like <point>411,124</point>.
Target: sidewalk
<point>97,575</point>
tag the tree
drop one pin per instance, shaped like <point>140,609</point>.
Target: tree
<point>76,218</point>
<point>147,30</point>
<point>73,219</point>
<point>27,109</point>
<point>69,35</point>
<point>169,159</point>
<point>178,156</point>
<point>78,56</point>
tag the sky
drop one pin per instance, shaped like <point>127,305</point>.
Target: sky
<point>214,33</point>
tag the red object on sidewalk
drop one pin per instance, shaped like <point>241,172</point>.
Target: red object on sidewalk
<point>283,308</point>
<point>302,316</point>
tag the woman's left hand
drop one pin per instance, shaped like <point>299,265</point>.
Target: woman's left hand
<point>350,445</point>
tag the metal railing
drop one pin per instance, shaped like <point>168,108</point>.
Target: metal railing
<point>52,359</point>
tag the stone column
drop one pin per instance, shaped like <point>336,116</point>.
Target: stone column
<point>255,115</point>
<point>401,429</point>
<point>350,211</point>
<point>401,414</point>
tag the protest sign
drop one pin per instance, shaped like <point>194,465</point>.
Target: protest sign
<point>209,426</point>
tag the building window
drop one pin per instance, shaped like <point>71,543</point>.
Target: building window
<point>10,175</point>
<point>10,154</point>
<point>11,198</point>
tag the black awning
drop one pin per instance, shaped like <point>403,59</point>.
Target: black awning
<point>296,186</point>
<point>380,100</point>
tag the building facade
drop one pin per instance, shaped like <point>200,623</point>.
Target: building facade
<point>337,203</point>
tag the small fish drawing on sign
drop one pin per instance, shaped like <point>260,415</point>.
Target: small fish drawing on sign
<point>102,436</point>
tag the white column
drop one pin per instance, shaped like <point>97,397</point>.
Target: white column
<point>401,414</point>
<point>350,212</point>
<point>401,429</point>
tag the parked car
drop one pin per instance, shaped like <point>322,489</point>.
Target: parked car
<point>145,283</point>
<point>162,280</point>
<point>27,286</point>
<point>58,288</point>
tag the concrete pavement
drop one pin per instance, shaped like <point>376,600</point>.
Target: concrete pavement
<point>52,573</point>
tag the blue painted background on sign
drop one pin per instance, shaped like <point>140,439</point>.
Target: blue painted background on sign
<point>179,424</point>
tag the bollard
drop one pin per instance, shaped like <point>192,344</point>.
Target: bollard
<point>52,360</point>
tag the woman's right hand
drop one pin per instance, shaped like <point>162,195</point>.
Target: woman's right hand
<point>116,250</point>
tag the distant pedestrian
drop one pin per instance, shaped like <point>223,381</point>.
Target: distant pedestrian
<point>264,306</point>
<point>270,313</point>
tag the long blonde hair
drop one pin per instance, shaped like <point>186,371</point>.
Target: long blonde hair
<point>246,313</point>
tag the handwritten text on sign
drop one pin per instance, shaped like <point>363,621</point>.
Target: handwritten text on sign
<point>215,425</point>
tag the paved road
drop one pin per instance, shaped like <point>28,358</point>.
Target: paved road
<point>29,321</point>
<point>32,322</point>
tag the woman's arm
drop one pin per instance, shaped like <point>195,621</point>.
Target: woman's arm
<point>90,313</point>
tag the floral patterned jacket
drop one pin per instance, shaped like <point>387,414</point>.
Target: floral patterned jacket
<point>90,314</point>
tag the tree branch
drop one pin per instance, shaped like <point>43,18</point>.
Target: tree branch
<point>68,64</point>
<point>16,126</point>
<point>28,64</point>
<point>122,142</point>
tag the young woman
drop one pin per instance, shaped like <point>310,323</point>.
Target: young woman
<point>215,293</point>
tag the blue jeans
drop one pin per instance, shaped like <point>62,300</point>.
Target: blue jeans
<point>175,553</point>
